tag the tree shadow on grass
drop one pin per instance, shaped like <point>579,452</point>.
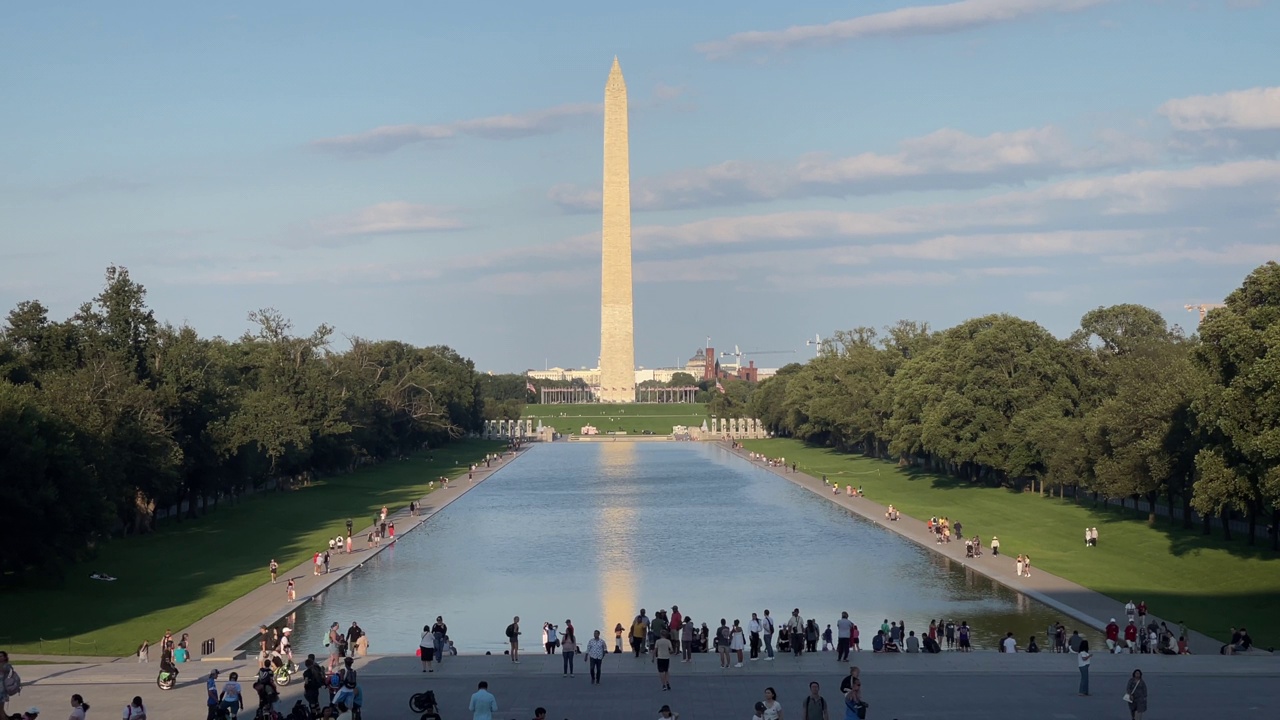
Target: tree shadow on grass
<point>179,574</point>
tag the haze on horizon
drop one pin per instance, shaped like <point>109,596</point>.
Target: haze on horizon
<point>432,174</point>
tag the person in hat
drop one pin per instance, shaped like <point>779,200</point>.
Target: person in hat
<point>211,694</point>
<point>31,714</point>
<point>666,713</point>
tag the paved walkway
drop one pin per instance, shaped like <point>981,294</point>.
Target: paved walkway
<point>956,686</point>
<point>237,623</point>
<point>1088,606</point>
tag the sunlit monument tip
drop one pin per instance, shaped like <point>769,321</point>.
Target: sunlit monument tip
<point>617,331</point>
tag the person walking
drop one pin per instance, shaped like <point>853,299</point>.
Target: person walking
<point>596,650</point>
<point>568,648</point>
<point>1083,663</point>
<point>844,632</point>
<point>772,708</point>
<point>1135,693</point>
<point>855,708</point>
<point>483,704</point>
<point>78,708</point>
<point>134,710</point>
<point>815,706</point>
<point>617,638</point>
<point>439,636</point>
<point>662,649</point>
<point>766,626</point>
<point>230,700</point>
<point>274,567</point>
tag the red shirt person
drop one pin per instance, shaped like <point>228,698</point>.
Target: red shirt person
<point>1113,633</point>
<point>1131,634</point>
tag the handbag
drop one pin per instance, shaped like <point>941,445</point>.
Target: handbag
<point>861,709</point>
<point>1127,698</point>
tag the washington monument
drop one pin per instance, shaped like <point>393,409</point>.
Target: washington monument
<point>617,331</point>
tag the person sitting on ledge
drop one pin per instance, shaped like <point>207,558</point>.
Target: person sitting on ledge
<point>891,646</point>
<point>1032,647</point>
<point>877,642</point>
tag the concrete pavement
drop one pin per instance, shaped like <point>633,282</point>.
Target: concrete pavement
<point>952,685</point>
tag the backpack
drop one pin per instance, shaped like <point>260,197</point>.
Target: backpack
<point>822,703</point>
<point>511,631</point>
<point>349,678</point>
<point>12,683</point>
<point>335,681</point>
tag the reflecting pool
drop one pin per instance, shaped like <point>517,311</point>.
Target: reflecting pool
<point>595,531</point>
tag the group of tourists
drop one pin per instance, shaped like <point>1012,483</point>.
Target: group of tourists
<point>483,704</point>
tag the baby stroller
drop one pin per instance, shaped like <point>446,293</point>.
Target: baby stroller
<point>425,703</point>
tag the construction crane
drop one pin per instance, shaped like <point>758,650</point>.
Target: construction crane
<point>816,342</point>
<point>1204,308</point>
<point>739,354</point>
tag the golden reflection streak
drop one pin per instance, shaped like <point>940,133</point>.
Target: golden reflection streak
<point>616,525</point>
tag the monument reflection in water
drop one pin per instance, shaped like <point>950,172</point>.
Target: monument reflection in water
<point>594,531</point>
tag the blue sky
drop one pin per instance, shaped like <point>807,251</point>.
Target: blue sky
<point>430,172</point>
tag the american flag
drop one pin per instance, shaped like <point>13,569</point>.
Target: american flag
<point>530,386</point>
<point>719,386</point>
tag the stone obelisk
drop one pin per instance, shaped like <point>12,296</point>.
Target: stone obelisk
<point>617,338</point>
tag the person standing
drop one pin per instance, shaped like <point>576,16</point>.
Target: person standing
<point>737,641</point>
<point>1083,663</point>
<point>722,642</point>
<point>686,640</point>
<point>1026,565</point>
<point>677,622</point>
<point>844,632</point>
<point>568,648</point>
<point>638,631</point>
<point>274,567</point>
<point>427,649</point>
<point>439,636</point>
<point>1018,565</point>
<point>596,650</point>
<point>483,704</point>
<point>617,638</point>
<point>754,627</point>
<point>795,629</point>
<point>1135,693</point>
<point>290,592</point>
<point>513,635</point>
<point>815,706</point>
<point>662,655</point>
<point>312,680</point>
<point>211,694</point>
<point>766,626</point>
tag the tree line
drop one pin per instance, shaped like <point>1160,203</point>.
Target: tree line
<point>110,414</point>
<point>1126,407</point>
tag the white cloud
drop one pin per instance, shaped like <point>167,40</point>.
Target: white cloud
<point>1151,191</point>
<point>1254,109</point>
<point>916,20</point>
<point>495,127</point>
<point>808,282</point>
<point>1233,254</point>
<point>945,159</point>
<point>381,219</point>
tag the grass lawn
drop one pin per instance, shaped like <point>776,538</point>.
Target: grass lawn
<point>185,571</point>
<point>1211,583</point>
<point>631,418</point>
